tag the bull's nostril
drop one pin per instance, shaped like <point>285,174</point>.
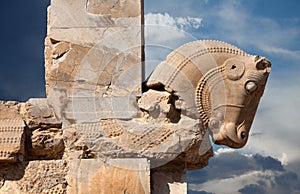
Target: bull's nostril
<point>243,135</point>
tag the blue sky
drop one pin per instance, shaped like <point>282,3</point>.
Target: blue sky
<point>269,28</point>
<point>22,33</point>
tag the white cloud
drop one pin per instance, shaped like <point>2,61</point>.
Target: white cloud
<point>159,19</point>
<point>163,27</point>
<point>284,159</point>
<point>183,22</point>
<point>223,150</point>
<point>167,20</point>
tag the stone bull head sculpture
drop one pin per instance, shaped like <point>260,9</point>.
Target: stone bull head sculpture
<point>202,87</point>
<point>217,83</point>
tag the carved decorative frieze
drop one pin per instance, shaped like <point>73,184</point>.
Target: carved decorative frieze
<point>12,145</point>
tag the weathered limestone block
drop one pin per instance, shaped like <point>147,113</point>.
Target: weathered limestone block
<point>91,17</point>
<point>94,13</point>
<point>12,145</point>
<point>37,114</point>
<point>93,59</point>
<point>115,8</point>
<point>46,144</point>
<point>10,110</point>
<point>110,176</point>
<point>44,135</point>
<point>91,72</point>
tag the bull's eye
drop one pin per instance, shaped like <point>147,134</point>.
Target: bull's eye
<point>250,86</point>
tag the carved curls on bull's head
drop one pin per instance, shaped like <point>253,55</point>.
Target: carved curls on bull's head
<point>217,83</point>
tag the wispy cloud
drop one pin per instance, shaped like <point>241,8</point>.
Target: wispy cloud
<point>167,20</point>
<point>163,31</point>
<point>293,55</point>
<point>161,28</point>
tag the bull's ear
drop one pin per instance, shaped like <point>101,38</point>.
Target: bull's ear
<point>234,68</point>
